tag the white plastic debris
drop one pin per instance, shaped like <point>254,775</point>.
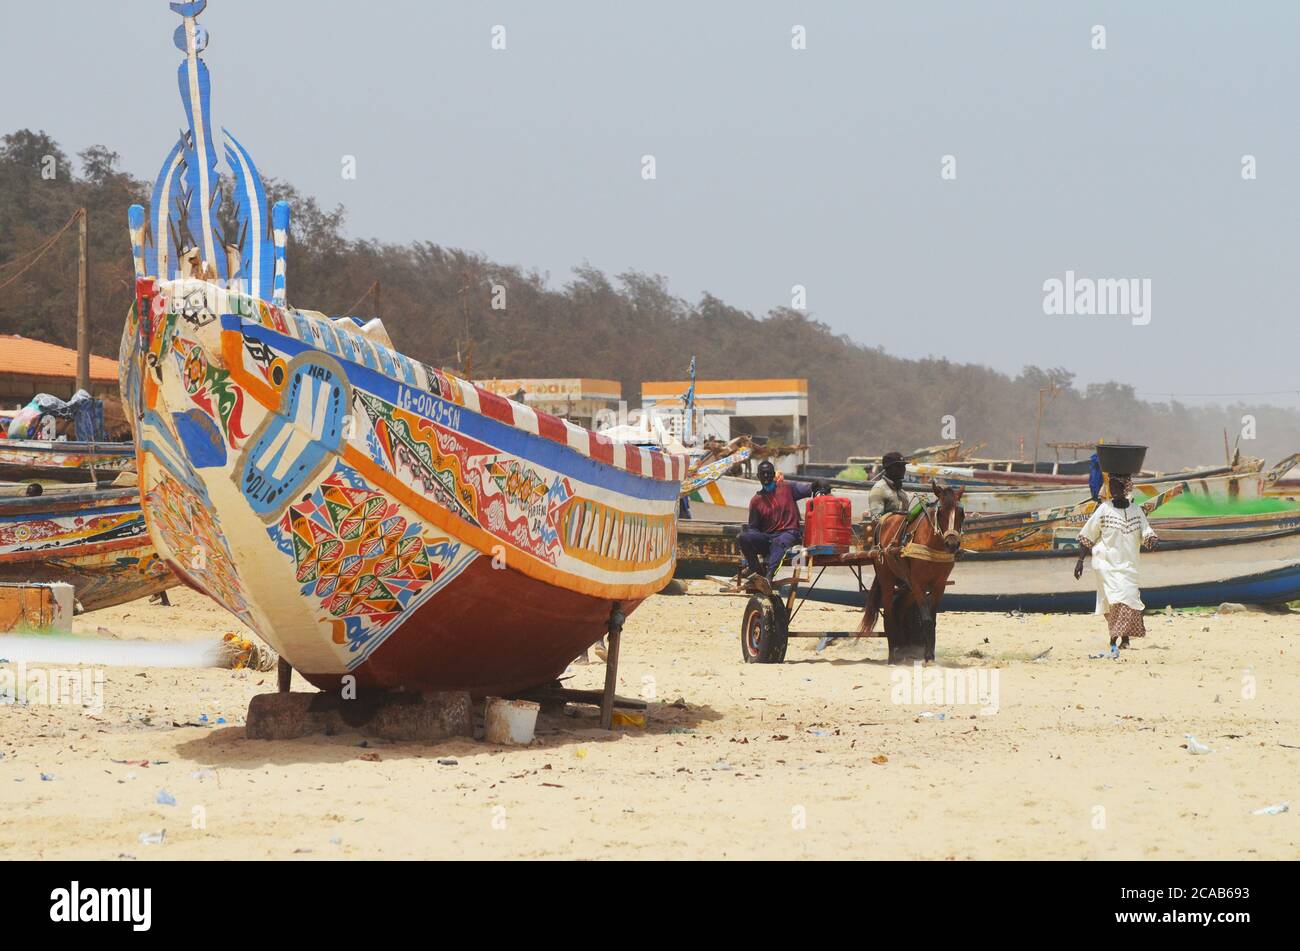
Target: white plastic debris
<point>1275,810</point>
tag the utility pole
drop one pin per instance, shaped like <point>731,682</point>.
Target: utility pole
<point>1051,393</point>
<point>467,360</point>
<point>379,301</point>
<point>83,310</point>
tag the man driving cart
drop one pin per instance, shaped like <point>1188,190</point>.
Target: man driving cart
<point>774,526</point>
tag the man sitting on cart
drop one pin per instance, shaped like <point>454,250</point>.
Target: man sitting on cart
<point>774,526</point>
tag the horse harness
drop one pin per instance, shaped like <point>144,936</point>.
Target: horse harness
<point>911,549</point>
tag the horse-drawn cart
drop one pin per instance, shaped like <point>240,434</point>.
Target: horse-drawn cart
<point>765,630</point>
<point>910,561</point>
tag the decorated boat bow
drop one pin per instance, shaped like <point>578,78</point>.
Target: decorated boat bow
<point>365,513</point>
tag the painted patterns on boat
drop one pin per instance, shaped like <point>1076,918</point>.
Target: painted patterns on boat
<point>210,389</point>
<point>52,532</point>
<point>188,530</point>
<point>507,497</point>
<point>376,479</point>
<point>602,536</point>
<point>293,446</point>
<point>95,541</point>
<point>419,438</point>
<point>422,455</point>
<point>362,561</point>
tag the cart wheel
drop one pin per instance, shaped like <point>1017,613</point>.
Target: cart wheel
<point>764,632</point>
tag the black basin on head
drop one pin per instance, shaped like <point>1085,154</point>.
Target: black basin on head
<point>1120,459</point>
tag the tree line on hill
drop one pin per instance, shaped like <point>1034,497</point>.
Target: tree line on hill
<point>437,305</point>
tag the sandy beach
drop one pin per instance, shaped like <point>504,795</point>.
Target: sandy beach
<point>1079,758</point>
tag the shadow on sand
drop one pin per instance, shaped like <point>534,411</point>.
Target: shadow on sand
<point>228,748</point>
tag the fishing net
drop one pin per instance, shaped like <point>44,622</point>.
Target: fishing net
<point>238,653</point>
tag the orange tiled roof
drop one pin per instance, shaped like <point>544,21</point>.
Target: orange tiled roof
<point>27,357</point>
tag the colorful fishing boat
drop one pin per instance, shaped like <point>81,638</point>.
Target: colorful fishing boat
<point>709,548</point>
<point>94,540</point>
<point>364,513</point>
<point>1189,517</point>
<point>22,459</point>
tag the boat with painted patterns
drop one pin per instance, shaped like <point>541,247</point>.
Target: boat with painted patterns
<point>366,514</point>
<point>23,459</point>
<point>92,539</point>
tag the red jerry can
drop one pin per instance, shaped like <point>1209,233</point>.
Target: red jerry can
<point>828,521</point>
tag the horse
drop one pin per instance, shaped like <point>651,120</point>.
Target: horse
<point>920,568</point>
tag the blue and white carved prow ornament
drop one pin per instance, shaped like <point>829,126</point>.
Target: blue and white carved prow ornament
<point>182,236</point>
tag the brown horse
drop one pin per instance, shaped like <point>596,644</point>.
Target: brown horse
<point>916,574</point>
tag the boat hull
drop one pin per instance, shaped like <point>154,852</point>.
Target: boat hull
<point>24,459</point>
<point>95,541</point>
<point>525,633</point>
<point>374,517</point>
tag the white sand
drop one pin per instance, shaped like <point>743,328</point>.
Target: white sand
<point>1082,760</point>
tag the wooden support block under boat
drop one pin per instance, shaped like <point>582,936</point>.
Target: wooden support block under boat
<point>399,716</point>
<point>44,608</point>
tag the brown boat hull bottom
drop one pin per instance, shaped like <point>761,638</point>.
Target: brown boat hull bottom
<point>103,574</point>
<point>490,632</point>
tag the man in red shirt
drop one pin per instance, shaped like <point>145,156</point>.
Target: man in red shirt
<point>773,520</point>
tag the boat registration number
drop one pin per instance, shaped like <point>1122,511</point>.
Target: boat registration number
<point>428,406</point>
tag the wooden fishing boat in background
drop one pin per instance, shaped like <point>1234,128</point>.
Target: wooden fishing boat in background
<point>1217,528</point>
<point>976,478</point>
<point>727,499</point>
<point>364,513</point>
<point>705,549</point>
<point>1284,478</point>
<point>1256,569</point>
<point>22,459</point>
<point>94,540</point>
<point>708,548</point>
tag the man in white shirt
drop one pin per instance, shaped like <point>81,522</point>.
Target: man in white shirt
<point>1115,533</point>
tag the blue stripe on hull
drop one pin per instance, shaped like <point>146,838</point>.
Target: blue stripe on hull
<point>1270,588</point>
<point>510,439</point>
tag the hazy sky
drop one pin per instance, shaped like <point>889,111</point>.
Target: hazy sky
<point>775,166</point>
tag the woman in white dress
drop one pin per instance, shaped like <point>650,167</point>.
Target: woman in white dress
<point>1115,533</point>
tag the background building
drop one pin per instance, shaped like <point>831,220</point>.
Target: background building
<point>29,367</point>
<point>577,400</point>
<point>775,411</point>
